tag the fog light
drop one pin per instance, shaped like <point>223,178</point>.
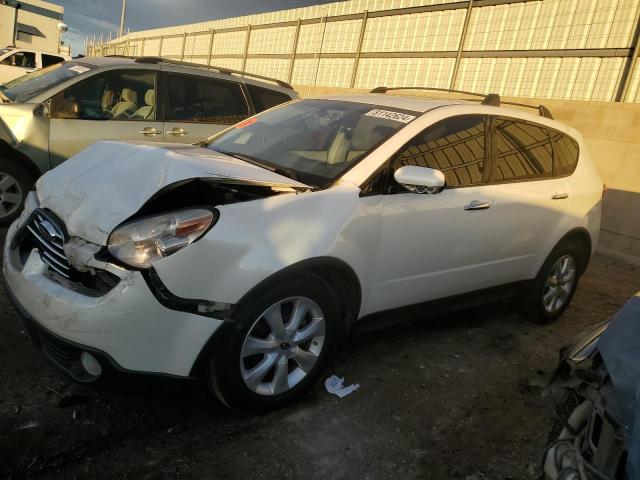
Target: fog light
<point>90,364</point>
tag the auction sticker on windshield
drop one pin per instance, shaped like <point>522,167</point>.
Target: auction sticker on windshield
<point>79,69</point>
<point>389,115</point>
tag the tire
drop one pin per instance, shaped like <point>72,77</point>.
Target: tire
<point>534,305</point>
<point>294,362</point>
<point>15,184</point>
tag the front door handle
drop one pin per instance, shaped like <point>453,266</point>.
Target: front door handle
<point>177,132</point>
<point>149,132</point>
<point>477,205</point>
<point>560,196</point>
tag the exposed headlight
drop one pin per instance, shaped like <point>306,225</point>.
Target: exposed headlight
<point>141,242</point>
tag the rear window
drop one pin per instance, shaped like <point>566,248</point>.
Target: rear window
<point>567,152</point>
<point>523,151</point>
<point>263,98</point>
<point>48,60</point>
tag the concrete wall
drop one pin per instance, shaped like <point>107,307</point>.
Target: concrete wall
<point>612,133</point>
<point>48,27</point>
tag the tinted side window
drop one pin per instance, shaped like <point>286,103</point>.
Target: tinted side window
<point>567,151</point>
<point>454,146</point>
<point>206,100</point>
<point>50,60</point>
<point>523,151</point>
<point>263,98</point>
<point>115,95</point>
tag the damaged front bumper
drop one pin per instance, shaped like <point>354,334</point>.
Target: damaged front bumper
<point>126,327</point>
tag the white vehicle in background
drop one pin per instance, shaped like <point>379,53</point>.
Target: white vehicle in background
<point>15,62</point>
<point>245,259</point>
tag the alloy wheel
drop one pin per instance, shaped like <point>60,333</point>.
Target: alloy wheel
<point>10,195</point>
<point>559,284</point>
<point>282,346</point>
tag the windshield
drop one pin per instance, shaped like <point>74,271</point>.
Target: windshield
<point>26,87</point>
<point>314,141</point>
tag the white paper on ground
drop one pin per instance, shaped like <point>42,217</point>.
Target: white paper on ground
<point>336,386</point>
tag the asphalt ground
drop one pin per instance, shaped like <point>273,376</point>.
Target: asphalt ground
<point>456,396</point>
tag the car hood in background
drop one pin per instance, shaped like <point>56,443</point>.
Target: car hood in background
<point>102,186</point>
<point>619,347</point>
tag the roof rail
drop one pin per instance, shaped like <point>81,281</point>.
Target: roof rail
<point>491,99</point>
<point>227,71</point>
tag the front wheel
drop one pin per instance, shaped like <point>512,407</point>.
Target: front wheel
<point>554,286</point>
<point>276,346</point>
<point>15,183</point>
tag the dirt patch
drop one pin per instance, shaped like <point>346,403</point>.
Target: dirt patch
<point>452,397</point>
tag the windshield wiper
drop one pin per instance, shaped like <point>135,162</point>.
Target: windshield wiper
<point>286,172</point>
<point>3,97</point>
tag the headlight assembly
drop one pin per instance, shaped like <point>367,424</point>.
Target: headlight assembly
<point>143,241</point>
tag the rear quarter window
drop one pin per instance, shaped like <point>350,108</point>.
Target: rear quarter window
<point>523,151</point>
<point>263,98</point>
<point>567,152</point>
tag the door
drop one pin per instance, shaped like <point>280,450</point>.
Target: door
<point>530,199</point>
<point>437,245</point>
<point>113,105</point>
<point>196,106</point>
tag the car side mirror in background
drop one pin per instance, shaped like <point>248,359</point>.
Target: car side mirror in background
<point>420,179</point>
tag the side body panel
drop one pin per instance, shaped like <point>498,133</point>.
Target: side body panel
<point>26,131</point>
<point>69,136</point>
<point>431,247</point>
<point>254,240</point>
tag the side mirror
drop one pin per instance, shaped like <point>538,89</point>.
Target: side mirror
<point>420,179</point>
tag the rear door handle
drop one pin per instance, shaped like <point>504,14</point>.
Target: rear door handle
<point>477,205</point>
<point>149,132</point>
<point>177,132</point>
<point>560,196</point>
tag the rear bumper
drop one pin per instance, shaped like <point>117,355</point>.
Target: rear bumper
<point>127,328</point>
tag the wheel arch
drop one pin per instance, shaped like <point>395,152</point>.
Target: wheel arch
<point>11,154</point>
<point>337,273</point>
<point>582,238</point>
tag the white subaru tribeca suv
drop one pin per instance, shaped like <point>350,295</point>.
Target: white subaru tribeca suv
<point>245,259</point>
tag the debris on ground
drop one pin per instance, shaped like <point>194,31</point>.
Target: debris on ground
<point>335,385</point>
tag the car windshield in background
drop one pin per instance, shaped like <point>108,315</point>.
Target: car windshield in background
<point>314,141</point>
<point>24,88</point>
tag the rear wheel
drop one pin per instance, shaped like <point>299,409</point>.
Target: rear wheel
<point>276,345</point>
<point>15,183</point>
<point>554,285</point>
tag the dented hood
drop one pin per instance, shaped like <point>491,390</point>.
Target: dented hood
<point>102,186</point>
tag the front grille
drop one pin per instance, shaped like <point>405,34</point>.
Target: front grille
<point>49,238</point>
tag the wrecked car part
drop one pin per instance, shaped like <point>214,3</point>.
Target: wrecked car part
<point>145,240</point>
<point>206,308</point>
<point>601,370</point>
<point>44,232</point>
<point>76,190</point>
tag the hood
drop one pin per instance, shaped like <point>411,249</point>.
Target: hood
<point>102,186</point>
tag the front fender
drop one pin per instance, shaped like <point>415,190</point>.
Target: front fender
<point>254,240</point>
